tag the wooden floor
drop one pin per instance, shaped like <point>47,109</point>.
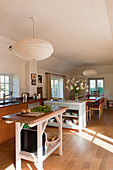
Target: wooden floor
<point>91,150</point>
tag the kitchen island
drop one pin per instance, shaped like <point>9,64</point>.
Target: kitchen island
<point>40,122</point>
<point>79,106</point>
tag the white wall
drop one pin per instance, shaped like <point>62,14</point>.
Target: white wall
<point>30,67</point>
<point>10,63</point>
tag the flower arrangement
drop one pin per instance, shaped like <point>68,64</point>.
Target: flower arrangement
<point>76,86</point>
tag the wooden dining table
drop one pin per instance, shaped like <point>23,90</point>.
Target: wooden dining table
<point>91,99</point>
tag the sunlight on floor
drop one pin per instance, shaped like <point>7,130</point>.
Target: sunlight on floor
<point>29,166</point>
<point>105,137</point>
<point>103,144</point>
<point>96,138</point>
<point>32,166</point>
<point>11,167</point>
<point>85,136</point>
<point>89,131</point>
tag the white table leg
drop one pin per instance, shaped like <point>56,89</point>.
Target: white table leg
<point>60,134</point>
<point>18,146</point>
<point>84,115</point>
<point>80,119</point>
<point>39,147</point>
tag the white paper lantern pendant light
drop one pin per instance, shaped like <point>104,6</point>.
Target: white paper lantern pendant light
<point>89,72</point>
<point>33,48</point>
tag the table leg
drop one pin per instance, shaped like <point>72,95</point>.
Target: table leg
<point>39,147</point>
<point>18,146</point>
<point>60,134</point>
<point>84,115</point>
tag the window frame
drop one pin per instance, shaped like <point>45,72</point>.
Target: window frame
<point>56,78</point>
<point>10,83</point>
<point>96,84</point>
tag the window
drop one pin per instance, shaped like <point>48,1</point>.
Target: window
<point>96,85</point>
<point>57,87</point>
<point>5,85</point>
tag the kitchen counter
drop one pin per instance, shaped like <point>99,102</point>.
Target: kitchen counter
<point>21,101</point>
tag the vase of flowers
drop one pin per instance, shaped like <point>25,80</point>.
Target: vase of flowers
<point>76,97</point>
<point>76,86</point>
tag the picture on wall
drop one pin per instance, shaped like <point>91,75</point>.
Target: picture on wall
<point>40,79</point>
<point>33,79</point>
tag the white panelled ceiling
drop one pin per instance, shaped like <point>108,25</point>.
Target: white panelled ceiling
<point>81,31</point>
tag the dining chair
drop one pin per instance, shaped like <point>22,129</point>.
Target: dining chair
<point>88,112</point>
<point>98,107</point>
<point>95,93</point>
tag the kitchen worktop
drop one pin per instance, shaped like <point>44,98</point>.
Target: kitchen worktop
<point>17,101</point>
<point>30,120</point>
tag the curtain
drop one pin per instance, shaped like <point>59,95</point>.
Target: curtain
<point>64,88</point>
<point>48,86</point>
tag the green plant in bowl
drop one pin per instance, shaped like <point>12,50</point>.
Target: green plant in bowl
<point>40,108</point>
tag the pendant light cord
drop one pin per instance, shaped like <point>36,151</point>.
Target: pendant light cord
<point>33,19</point>
<point>33,29</point>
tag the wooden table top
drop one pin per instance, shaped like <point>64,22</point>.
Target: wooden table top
<point>91,99</point>
<point>31,120</point>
